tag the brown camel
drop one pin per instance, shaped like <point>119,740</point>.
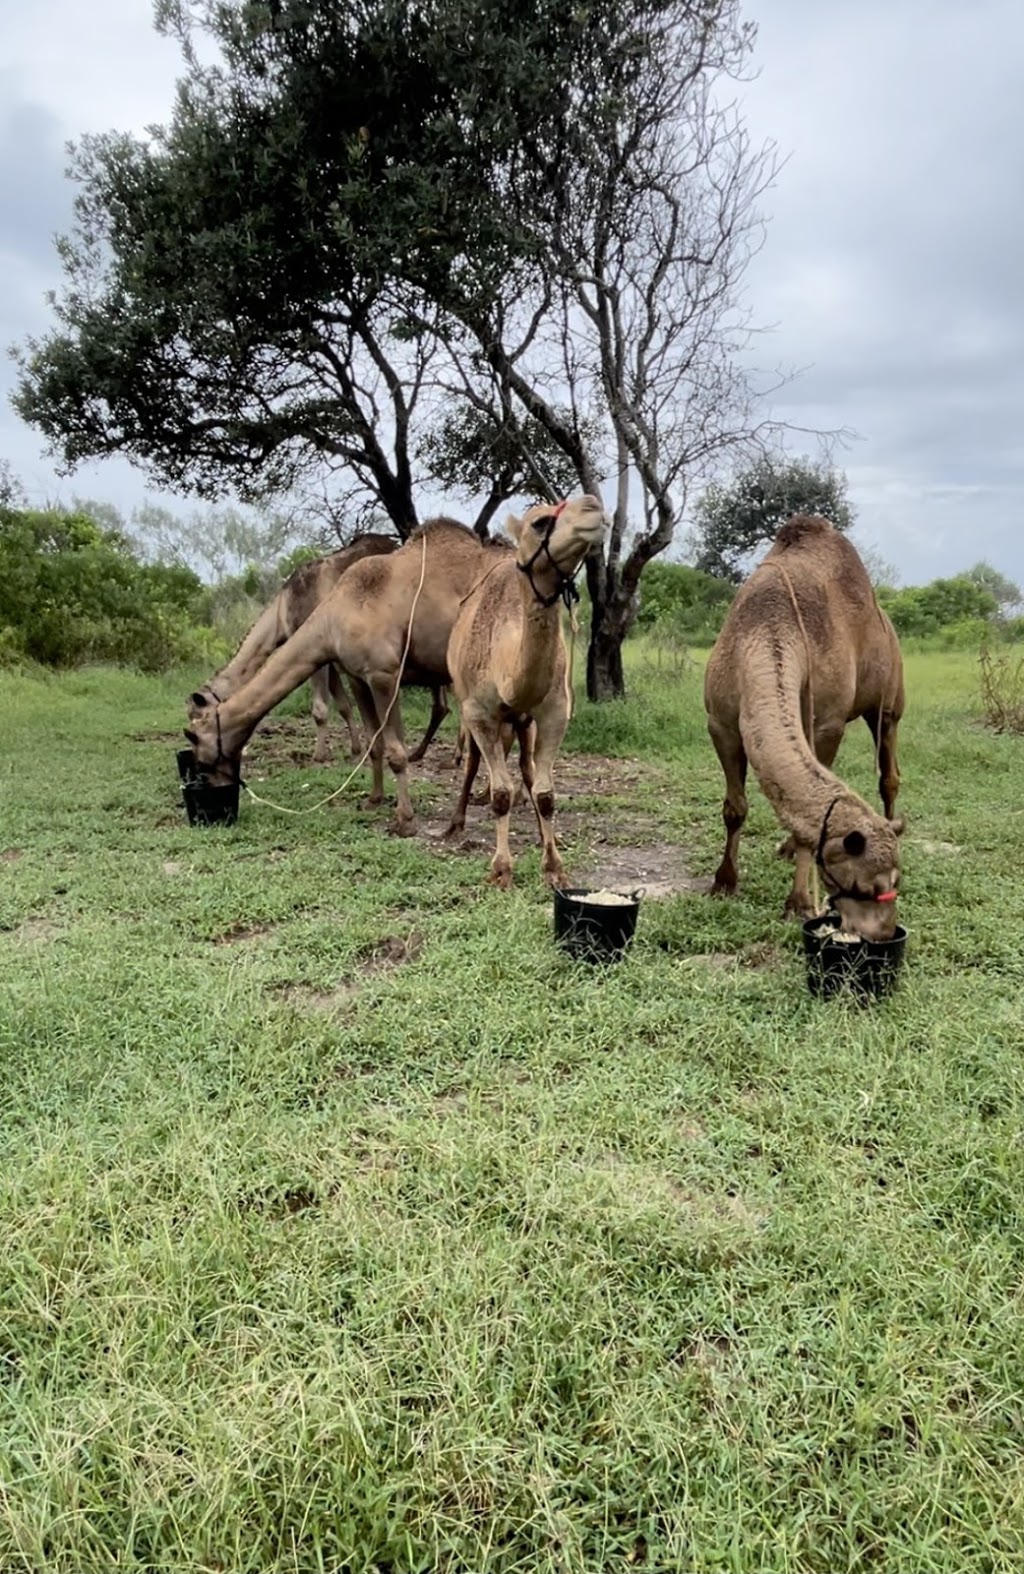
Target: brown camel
<point>805,648</point>
<point>366,625</point>
<point>301,592</point>
<point>508,666</point>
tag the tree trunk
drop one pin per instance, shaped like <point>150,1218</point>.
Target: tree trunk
<point>611,619</point>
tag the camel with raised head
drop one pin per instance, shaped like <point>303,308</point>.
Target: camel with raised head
<point>386,623</point>
<point>303,590</point>
<point>509,669</point>
<point>805,649</point>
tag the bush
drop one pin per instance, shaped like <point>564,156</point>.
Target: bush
<point>72,591</point>
<point>927,610</point>
<point>1002,689</point>
<point>684,604</point>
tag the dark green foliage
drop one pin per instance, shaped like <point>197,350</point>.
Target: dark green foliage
<point>690,603</point>
<point>734,520</point>
<point>72,591</point>
<point>924,610</point>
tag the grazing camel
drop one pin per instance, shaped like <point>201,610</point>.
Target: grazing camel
<point>508,668</point>
<point>805,648</point>
<point>368,626</point>
<point>301,592</point>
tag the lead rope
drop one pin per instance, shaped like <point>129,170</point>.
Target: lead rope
<point>313,808</point>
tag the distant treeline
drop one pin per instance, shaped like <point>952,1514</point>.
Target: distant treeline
<point>74,590</point>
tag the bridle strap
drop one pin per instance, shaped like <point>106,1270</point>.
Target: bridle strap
<point>566,589</point>
<point>818,859</point>
<point>852,892</point>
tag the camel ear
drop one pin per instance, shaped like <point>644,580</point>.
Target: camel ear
<point>193,737</point>
<point>514,527</point>
<point>899,825</point>
<point>854,843</point>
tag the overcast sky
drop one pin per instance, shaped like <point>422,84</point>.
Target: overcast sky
<point>891,274</point>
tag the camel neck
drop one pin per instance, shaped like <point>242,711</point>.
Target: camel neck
<point>539,646</point>
<point>288,666</point>
<point>799,788</point>
<point>264,636</point>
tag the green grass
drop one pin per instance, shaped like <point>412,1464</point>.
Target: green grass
<point>484,1262</point>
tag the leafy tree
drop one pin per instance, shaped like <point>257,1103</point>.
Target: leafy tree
<point>733,521</point>
<point>370,233</point>
<point>925,610</point>
<point>688,601</point>
<point>72,591</point>
<point>1006,593</point>
<point>12,493</point>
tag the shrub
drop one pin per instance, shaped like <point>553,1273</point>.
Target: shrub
<point>72,591</point>
<point>925,610</point>
<point>683,603</point>
<point>1002,689</point>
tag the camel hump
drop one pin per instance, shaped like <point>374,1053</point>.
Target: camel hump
<point>802,528</point>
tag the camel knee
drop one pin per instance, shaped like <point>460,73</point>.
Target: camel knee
<point>501,802</point>
<point>734,813</point>
<point>545,802</point>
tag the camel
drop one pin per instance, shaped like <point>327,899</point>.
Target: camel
<point>508,666</point>
<point>301,592</point>
<point>805,649</point>
<point>367,625</point>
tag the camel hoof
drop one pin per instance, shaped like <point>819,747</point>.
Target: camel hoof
<point>722,888</point>
<point>502,878</point>
<point>455,829</point>
<point>557,879</point>
<point>416,755</point>
<point>403,827</point>
<point>373,801</point>
<point>798,907</point>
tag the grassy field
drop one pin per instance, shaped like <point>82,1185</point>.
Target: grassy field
<point>348,1226</point>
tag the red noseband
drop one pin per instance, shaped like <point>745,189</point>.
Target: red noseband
<point>886,896</point>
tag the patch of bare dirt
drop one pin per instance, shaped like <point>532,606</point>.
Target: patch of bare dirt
<point>171,867</point>
<point>38,929</point>
<point>238,933</point>
<point>760,955</point>
<point>390,952</point>
<point>10,855</point>
<point>331,1002</point>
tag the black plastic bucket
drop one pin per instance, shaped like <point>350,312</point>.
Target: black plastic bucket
<point>188,770</point>
<point>594,931</point>
<point>869,969</point>
<point>206,805</point>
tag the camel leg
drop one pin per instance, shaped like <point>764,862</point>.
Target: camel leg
<point>457,824</point>
<point>321,710</point>
<point>382,687</point>
<point>733,759</point>
<point>800,903</point>
<point>368,711</point>
<point>438,712</point>
<point>461,744</point>
<point>884,727</point>
<point>489,739</point>
<point>337,687</point>
<point>548,732</point>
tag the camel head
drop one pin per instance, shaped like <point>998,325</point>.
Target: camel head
<point>552,539</point>
<point>218,755</point>
<point>201,699</point>
<point>858,856</point>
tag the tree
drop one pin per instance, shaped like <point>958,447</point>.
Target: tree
<point>371,231</point>
<point>732,521</point>
<point>1006,594</point>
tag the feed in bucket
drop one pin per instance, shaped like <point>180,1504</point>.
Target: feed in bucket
<point>595,926</point>
<point>838,960</point>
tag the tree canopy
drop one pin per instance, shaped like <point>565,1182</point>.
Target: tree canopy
<point>394,245</point>
<point>733,519</point>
